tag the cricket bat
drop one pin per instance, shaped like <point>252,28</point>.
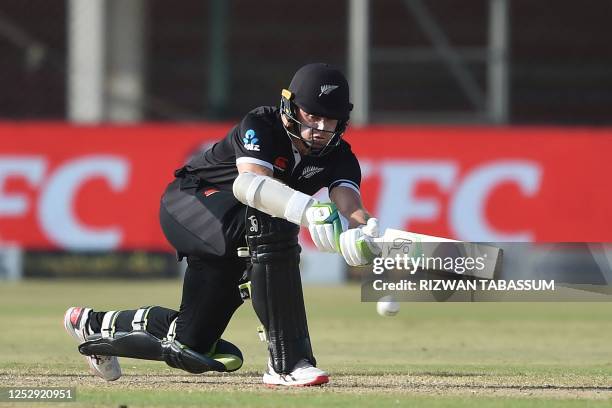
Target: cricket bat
<point>404,243</point>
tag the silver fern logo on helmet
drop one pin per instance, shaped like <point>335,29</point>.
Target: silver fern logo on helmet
<point>327,89</point>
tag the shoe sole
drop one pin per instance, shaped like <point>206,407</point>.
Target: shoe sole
<point>70,330</point>
<point>320,380</point>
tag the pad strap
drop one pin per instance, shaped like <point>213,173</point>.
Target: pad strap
<point>171,331</point>
<point>140,318</point>
<point>108,324</point>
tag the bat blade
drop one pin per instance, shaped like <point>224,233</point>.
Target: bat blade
<point>405,243</point>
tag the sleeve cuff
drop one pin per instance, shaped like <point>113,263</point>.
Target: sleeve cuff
<point>253,160</point>
<point>345,183</point>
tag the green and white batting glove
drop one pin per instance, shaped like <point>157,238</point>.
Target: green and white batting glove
<point>357,244</point>
<point>325,224</point>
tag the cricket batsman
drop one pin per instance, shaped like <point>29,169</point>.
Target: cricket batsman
<point>234,212</point>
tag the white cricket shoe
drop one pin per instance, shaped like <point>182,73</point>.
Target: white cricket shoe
<point>106,367</point>
<point>303,374</point>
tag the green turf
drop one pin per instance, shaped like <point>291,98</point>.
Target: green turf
<point>517,354</point>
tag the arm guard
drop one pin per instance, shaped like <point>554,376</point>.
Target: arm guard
<point>272,197</point>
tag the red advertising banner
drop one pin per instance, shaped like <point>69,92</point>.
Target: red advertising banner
<point>98,187</point>
<point>490,184</point>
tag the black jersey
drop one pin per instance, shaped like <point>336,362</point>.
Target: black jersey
<point>261,139</point>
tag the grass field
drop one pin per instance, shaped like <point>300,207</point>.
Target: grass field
<point>430,355</point>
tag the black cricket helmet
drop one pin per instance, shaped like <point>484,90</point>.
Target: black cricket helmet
<point>322,90</point>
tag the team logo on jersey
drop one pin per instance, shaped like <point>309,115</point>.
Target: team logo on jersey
<point>327,89</point>
<point>310,171</point>
<point>250,141</point>
<point>281,163</point>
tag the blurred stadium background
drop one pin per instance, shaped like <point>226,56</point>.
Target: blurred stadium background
<point>492,61</point>
<point>487,121</point>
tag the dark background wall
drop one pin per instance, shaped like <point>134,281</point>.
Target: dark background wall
<point>561,58</point>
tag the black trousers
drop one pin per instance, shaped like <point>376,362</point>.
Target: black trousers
<point>207,226</point>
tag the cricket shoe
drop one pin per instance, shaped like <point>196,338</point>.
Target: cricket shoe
<point>75,323</point>
<point>303,374</point>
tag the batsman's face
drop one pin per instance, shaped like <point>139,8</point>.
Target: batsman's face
<point>318,130</point>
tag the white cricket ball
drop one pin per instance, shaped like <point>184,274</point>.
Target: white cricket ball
<point>387,306</point>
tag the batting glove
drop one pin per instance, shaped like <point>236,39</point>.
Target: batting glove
<point>357,245</point>
<point>325,224</point>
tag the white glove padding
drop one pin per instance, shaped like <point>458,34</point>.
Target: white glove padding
<point>325,224</point>
<point>357,246</point>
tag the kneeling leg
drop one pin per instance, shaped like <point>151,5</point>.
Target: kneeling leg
<point>188,339</point>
